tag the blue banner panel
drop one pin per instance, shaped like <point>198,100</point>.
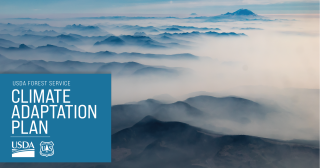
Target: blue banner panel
<point>55,118</point>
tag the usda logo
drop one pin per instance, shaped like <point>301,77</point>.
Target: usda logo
<point>22,149</point>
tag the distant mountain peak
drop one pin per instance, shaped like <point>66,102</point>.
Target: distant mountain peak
<point>112,40</point>
<point>140,34</point>
<point>147,119</point>
<point>181,103</point>
<point>82,27</point>
<point>49,46</point>
<point>133,63</point>
<point>23,46</point>
<point>153,101</point>
<point>53,48</point>
<point>241,12</point>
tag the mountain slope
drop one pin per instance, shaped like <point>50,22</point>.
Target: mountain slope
<point>177,112</point>
<point>126,115</point>
<point>195,109</point>
<point>7,43</point>
<point>154,143</point>
<point>234,108</point>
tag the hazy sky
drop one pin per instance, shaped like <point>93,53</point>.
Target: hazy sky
<point>48,8</point>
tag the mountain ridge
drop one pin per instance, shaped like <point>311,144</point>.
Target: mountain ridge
<point>172,144</point>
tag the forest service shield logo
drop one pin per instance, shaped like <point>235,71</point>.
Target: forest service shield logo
<point>46,148</point>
